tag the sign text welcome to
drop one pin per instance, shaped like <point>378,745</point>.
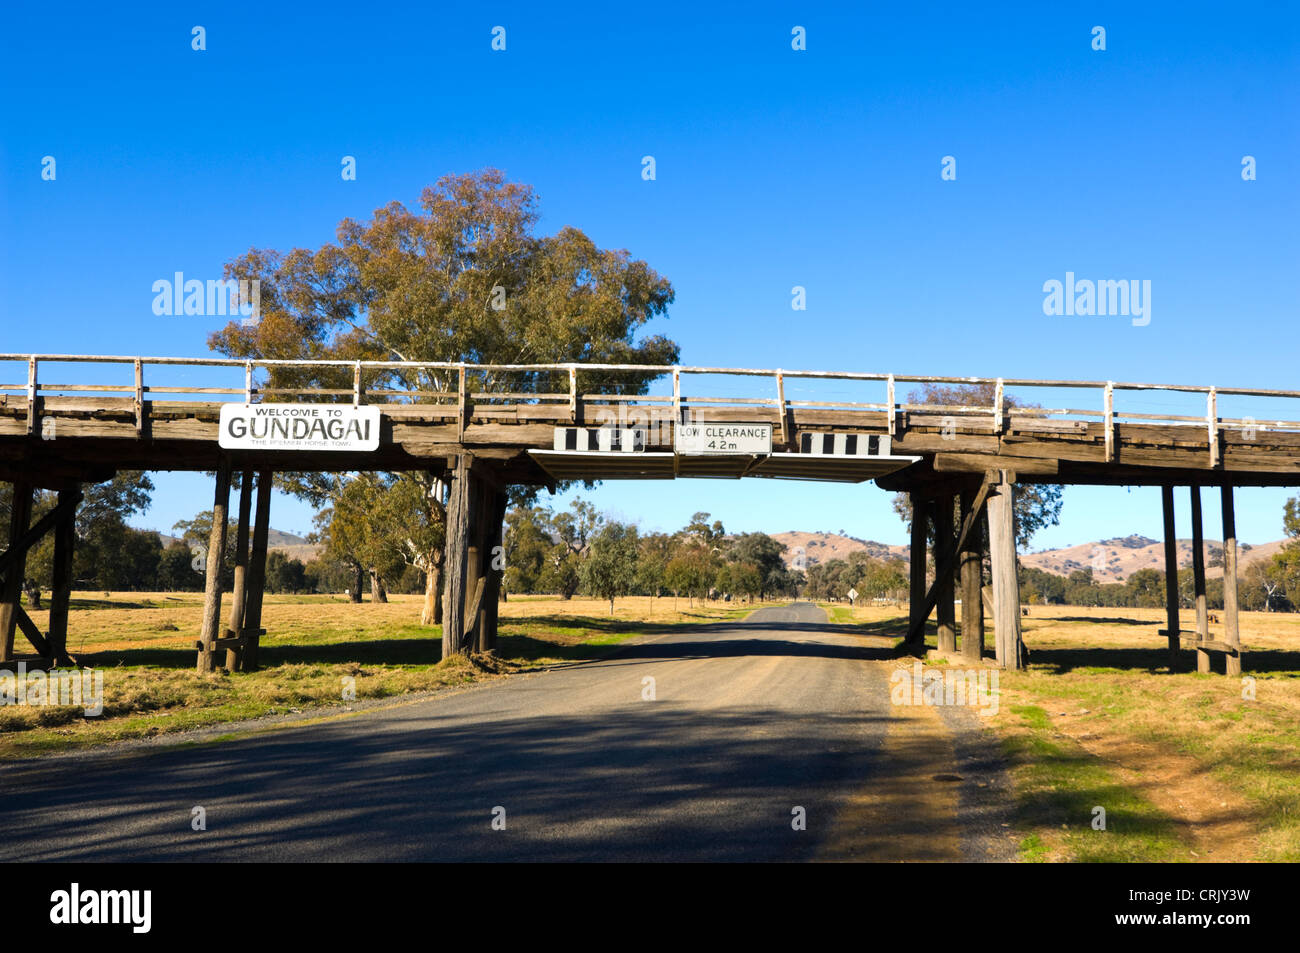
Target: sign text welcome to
<point>298,427</point>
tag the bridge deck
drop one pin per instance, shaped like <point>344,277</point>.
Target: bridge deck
<point>59,432</point>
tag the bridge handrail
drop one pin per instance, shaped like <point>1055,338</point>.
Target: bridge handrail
<point>997,409</point>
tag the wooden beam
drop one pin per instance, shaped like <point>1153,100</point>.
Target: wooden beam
<point>239,591</point>
<point>210,631</point>
<point>927,603</point>
<point>494,512</point>
<point>257,573</point>
<point>22,542</point>
<point>979,462</point>
<point>457,580</point>
<point>33,634</point>
<point>1231,632</point>
<point>917,610</point>
<point>1171,574</point>
<point>65,540</point>
<point>15,565</point>
<point>972,572</point>
<point>1198,581</point>
<point>1006,589</point>
<point>945,566</point>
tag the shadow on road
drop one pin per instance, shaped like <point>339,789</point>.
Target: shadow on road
<point>644,781</point>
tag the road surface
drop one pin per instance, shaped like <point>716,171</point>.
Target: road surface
<point>704,745</point>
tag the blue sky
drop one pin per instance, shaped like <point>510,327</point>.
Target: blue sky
<point>775,168</point>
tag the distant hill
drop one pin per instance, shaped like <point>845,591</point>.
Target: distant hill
<point>1112,560</point>
<point>823,547</point>
<point>295,547</point>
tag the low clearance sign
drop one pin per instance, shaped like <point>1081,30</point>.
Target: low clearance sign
<point>298,427</point>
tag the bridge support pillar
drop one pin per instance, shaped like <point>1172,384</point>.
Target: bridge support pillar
<point>1172,624</point>
<point>252,629</point>
<point>208,635</point>
<point>916,572</point>
<point>11,588</point>
<point>972,578</point>
<point>1198,582</point>
<point>52,646</point>
<point>239,592</point>
<point>944,561</point>
<point>476,506</point>
<point>65,540</point>
<point>1006,587</point>
<point>1231,631</point>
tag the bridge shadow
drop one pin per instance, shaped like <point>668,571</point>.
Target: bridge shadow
<point>1058,661</point>
<point>707,639</point>
<point>1062,805</point>
<point>380,652</point>
<point>628,781</point>
<point>1095,620</point>
<point>760,648</point>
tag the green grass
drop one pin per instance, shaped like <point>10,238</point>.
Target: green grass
<point>1058,787</point>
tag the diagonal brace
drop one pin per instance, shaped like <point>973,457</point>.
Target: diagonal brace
<point>949,564</point>
<point>38,529</point>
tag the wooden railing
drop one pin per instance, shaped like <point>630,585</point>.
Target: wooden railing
<point>453,384</point>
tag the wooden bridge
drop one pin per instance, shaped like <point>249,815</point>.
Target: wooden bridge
<point>66,420</point>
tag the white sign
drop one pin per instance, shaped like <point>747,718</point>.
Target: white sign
<point>298,427</point>
<point>853,595</point>
<point>723,438</point>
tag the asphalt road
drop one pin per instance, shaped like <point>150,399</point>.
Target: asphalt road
<point>748,721</point>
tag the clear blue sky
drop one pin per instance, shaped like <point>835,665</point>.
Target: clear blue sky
<point>775,168</point>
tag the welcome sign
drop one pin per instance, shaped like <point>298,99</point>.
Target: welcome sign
<point>298,427</point>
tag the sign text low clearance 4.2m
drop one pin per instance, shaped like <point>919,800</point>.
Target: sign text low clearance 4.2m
<point>298,427</point>
<point>724,438</point>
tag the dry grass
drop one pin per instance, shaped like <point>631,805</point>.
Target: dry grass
<point>1223,768</point>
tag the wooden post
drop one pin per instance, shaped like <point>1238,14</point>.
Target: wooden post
<point>11,588</point>
<point>239,591</point>
<point>916,599</point>
<point>257,572</point>
<point>1006,588</point>
<point>493,569</point>
<point>1231,632</point>
<point>65,540</point>
<point>972,571</point>
<point>456,562</point>
<point>946,611</point>
<point>473,562</point>
<point>1198,581</point>
<point>1172,624</point>
<point>212,577</point>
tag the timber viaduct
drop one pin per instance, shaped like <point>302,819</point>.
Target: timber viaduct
<point>67,420</point>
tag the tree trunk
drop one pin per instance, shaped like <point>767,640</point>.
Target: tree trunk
<point>377,592</point>
<point>357,576</point>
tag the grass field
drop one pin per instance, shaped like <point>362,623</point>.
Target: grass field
<point>1187,767</point>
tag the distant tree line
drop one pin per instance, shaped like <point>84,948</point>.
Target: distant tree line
<point>578,550</point>
<point>870,578</point>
